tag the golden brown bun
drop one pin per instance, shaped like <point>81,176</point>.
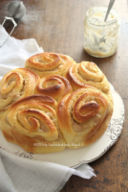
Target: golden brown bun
<point>16,84</point>
<point>54,85</point>
<point>87,74</point>
<point>49,63</point>
<point>55,104</point>
<point>84,116</point>
<point>32,123</point>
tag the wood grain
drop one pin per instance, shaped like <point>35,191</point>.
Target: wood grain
<point>57,25</point>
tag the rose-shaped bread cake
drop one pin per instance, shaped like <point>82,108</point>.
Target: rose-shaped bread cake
<point>54,103</point>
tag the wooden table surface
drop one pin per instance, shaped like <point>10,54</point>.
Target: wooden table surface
<point>57,25</point>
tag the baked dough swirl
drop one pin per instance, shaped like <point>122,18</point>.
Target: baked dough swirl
<point>54,85</point>
<point>32,123</point>
<point>87,74</point>
<point>83,116</point>
<point>16,84</point>
<point>49,63</point>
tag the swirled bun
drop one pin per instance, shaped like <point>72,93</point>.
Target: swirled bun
<point>87,74</point>
<point>54,85</point>
<point>16,84</point>
<point>31,123</point>
<point>84,116</point>
<point>54,103</point>
<point>49,63</point>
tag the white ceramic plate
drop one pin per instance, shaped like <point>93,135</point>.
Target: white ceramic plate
<point>75,157</point>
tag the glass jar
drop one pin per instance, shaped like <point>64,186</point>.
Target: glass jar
<point>100,37</point>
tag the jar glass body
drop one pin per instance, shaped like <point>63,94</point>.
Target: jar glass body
<point>100,38</point>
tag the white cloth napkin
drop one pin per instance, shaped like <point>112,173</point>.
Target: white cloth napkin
<point>18,174</point>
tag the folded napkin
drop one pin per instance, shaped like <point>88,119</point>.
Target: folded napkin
<point>18,174</point>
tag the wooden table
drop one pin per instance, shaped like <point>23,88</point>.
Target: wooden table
<point>57,25</point>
